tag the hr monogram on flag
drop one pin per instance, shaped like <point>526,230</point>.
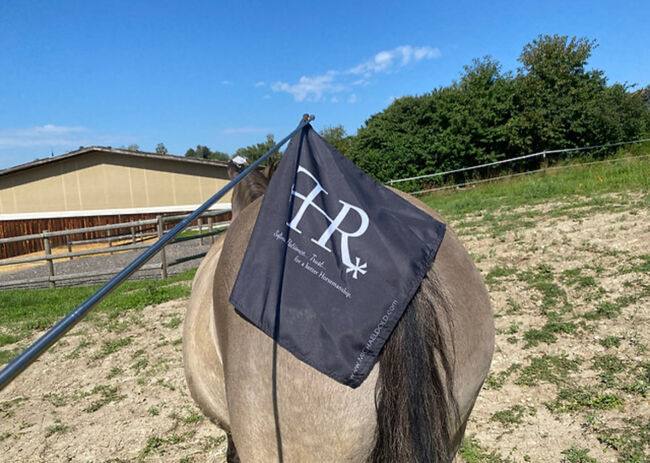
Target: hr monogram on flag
<point>334,223</point>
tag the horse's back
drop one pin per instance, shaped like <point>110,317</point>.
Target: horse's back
<point>319,419</point>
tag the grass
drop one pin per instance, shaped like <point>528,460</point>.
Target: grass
<point>24,311</point>
<point>548,368</point>
<point>107,395</point>
<point>472,451</point>
<point>577,455</point>
<point>510,416</point>
<point>574,399</point>
<point>568,184</point>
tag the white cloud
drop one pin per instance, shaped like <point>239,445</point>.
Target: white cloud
<point>397,57</point>
<point>226,82</point>
<point>261,83</point>
<point>234,130</point>
<point>315,88</point>
<point>45,135</point>
<point>311,88</point>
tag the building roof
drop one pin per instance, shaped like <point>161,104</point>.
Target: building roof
<point>107,149</point>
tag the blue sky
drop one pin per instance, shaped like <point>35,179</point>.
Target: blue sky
<point>224,74</point>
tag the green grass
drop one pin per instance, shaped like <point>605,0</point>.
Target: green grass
<point>107,394</point>
<point>574,399</point>
<point>577,455</point>
<point>24,311</point>
<point>548,368</point>
<point>473,452</point>
<point>563,185</point>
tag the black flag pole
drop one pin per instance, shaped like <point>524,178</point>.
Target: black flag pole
<point>29,355</point>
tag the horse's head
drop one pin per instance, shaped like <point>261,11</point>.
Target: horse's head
<point>251,187</point>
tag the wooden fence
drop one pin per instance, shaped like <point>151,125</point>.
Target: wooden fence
<point>139,231</point>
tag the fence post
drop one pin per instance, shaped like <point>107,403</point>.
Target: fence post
<point>133,234</point>
<point>163,254</point>
<point>48,255</point>
<point>211,227</point>
<point>201,229</point>
<point>69,243</point>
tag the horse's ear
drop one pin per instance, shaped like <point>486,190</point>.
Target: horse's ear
<point>235,169</point>
<point>270,169</point>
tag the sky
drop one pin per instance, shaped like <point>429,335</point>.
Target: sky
<point>227,73</point>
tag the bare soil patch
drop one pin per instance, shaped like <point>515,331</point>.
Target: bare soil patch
<point>570,286</point>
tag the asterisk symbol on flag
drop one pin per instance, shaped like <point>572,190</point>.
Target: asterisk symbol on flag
<point>357,268</point>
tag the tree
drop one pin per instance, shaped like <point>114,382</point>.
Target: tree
<point>204,152</point>
<point>336,136</point>
<point>254,152</point>
<point>160,149</point>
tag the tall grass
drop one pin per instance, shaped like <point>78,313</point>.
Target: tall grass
<point>562,184</point>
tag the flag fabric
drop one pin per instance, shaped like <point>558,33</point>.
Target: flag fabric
<point>333,260</point>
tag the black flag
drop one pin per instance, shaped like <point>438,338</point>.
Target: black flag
<point>333,260</point>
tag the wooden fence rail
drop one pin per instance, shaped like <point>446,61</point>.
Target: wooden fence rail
<point>160,223</point>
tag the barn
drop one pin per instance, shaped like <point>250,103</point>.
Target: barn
<point>101,185</point>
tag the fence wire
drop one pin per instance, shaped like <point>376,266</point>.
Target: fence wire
<point>432,182</point>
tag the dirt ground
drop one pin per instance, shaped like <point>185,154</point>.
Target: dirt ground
<point>570,285</point>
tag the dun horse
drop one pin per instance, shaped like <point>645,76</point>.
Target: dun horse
<point>412,408</point>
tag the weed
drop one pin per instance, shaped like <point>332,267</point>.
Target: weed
<point>56,399</point>
<point>114,372</point>
<point>641,379</point>
<point>577,455</point>
<point>157,444</point>
<point>496,381</point>
<point>541,279</point>
<point>211,443</point>
<point>509,416</point>
<point>498,272</point>
<point>174,322</point>
<point>610,341</point>
<point>110,347</point>
<point>550,368</point>
<point>193,417</point>
<point>108,394</point>
<point>513,307</point>
<point>140,365</point>
<point>85,342</point>
<point>472,451</point>
<point>154,411</point>
<point>5,435</point>
<point>631,441</point>
<point>56,428</point>
<point>547,333</point>
<point>574,399</point>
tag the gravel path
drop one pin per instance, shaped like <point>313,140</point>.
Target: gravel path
<point>115,262</point>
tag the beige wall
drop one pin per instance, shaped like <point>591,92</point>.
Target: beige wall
<point>99,180</point>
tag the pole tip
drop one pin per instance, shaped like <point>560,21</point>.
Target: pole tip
<point>308,118</point>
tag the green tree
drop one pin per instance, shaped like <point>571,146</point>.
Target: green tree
<point>204,152</point>
<point>160,149</point>
<point>337,137</point>
<point>254,152</point>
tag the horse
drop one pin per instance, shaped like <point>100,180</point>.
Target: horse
<point>414,405</point>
